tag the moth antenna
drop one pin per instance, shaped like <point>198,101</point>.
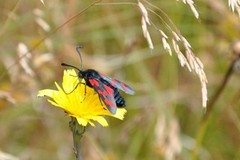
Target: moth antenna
<point>68,65</point>
<point>79,53</point>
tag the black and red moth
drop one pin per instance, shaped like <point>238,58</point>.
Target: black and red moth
<point>106,87</point>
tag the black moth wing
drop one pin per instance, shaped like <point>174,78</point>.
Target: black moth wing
<point>105,92</point>
<point>118,84</point>
<point>120,101</point>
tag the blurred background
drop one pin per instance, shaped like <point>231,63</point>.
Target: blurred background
<point>164,116</point>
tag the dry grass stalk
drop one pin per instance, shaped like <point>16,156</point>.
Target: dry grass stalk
<point>145,22</point>
<point>191,5</point>
<point>234,5</point>
<point>7,156</point>
<point>8,97</point>
<point>24,62</point>
<point>40,21</point>
<point>42,2</point>
<point>192,62</point>
<point>166,45</point>
<point>187,58</point>
<point>167,138</point>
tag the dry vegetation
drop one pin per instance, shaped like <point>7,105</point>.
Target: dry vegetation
<point>130,41</point>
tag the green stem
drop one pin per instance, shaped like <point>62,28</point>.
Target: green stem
<point>77,131</point>
<point>199,138</point>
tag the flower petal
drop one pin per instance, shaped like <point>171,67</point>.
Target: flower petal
<point>120,113</point>
<point>82,121</point>
<point>101,120</point>
<point>46,92</point>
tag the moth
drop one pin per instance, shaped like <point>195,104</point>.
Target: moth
<point>107,88</point>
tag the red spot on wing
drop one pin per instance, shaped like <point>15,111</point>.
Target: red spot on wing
<point>115,83</point>
<point>124,87</point>
<point>109,103</point>
<point>102,92</point>
<point>108,89</point>
<point>94,82</point>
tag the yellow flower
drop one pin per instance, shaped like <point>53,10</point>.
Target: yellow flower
<point>79,100</point>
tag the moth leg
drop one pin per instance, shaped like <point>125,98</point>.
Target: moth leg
<point>75,88</point>
<point>85,91</point>
<point>72,90</point>
<point>73,75</point>
<point>100,100</point>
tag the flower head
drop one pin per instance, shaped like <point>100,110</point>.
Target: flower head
<point>79,101</point>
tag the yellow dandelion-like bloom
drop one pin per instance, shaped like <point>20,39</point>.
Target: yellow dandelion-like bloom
<point>79,101</point>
